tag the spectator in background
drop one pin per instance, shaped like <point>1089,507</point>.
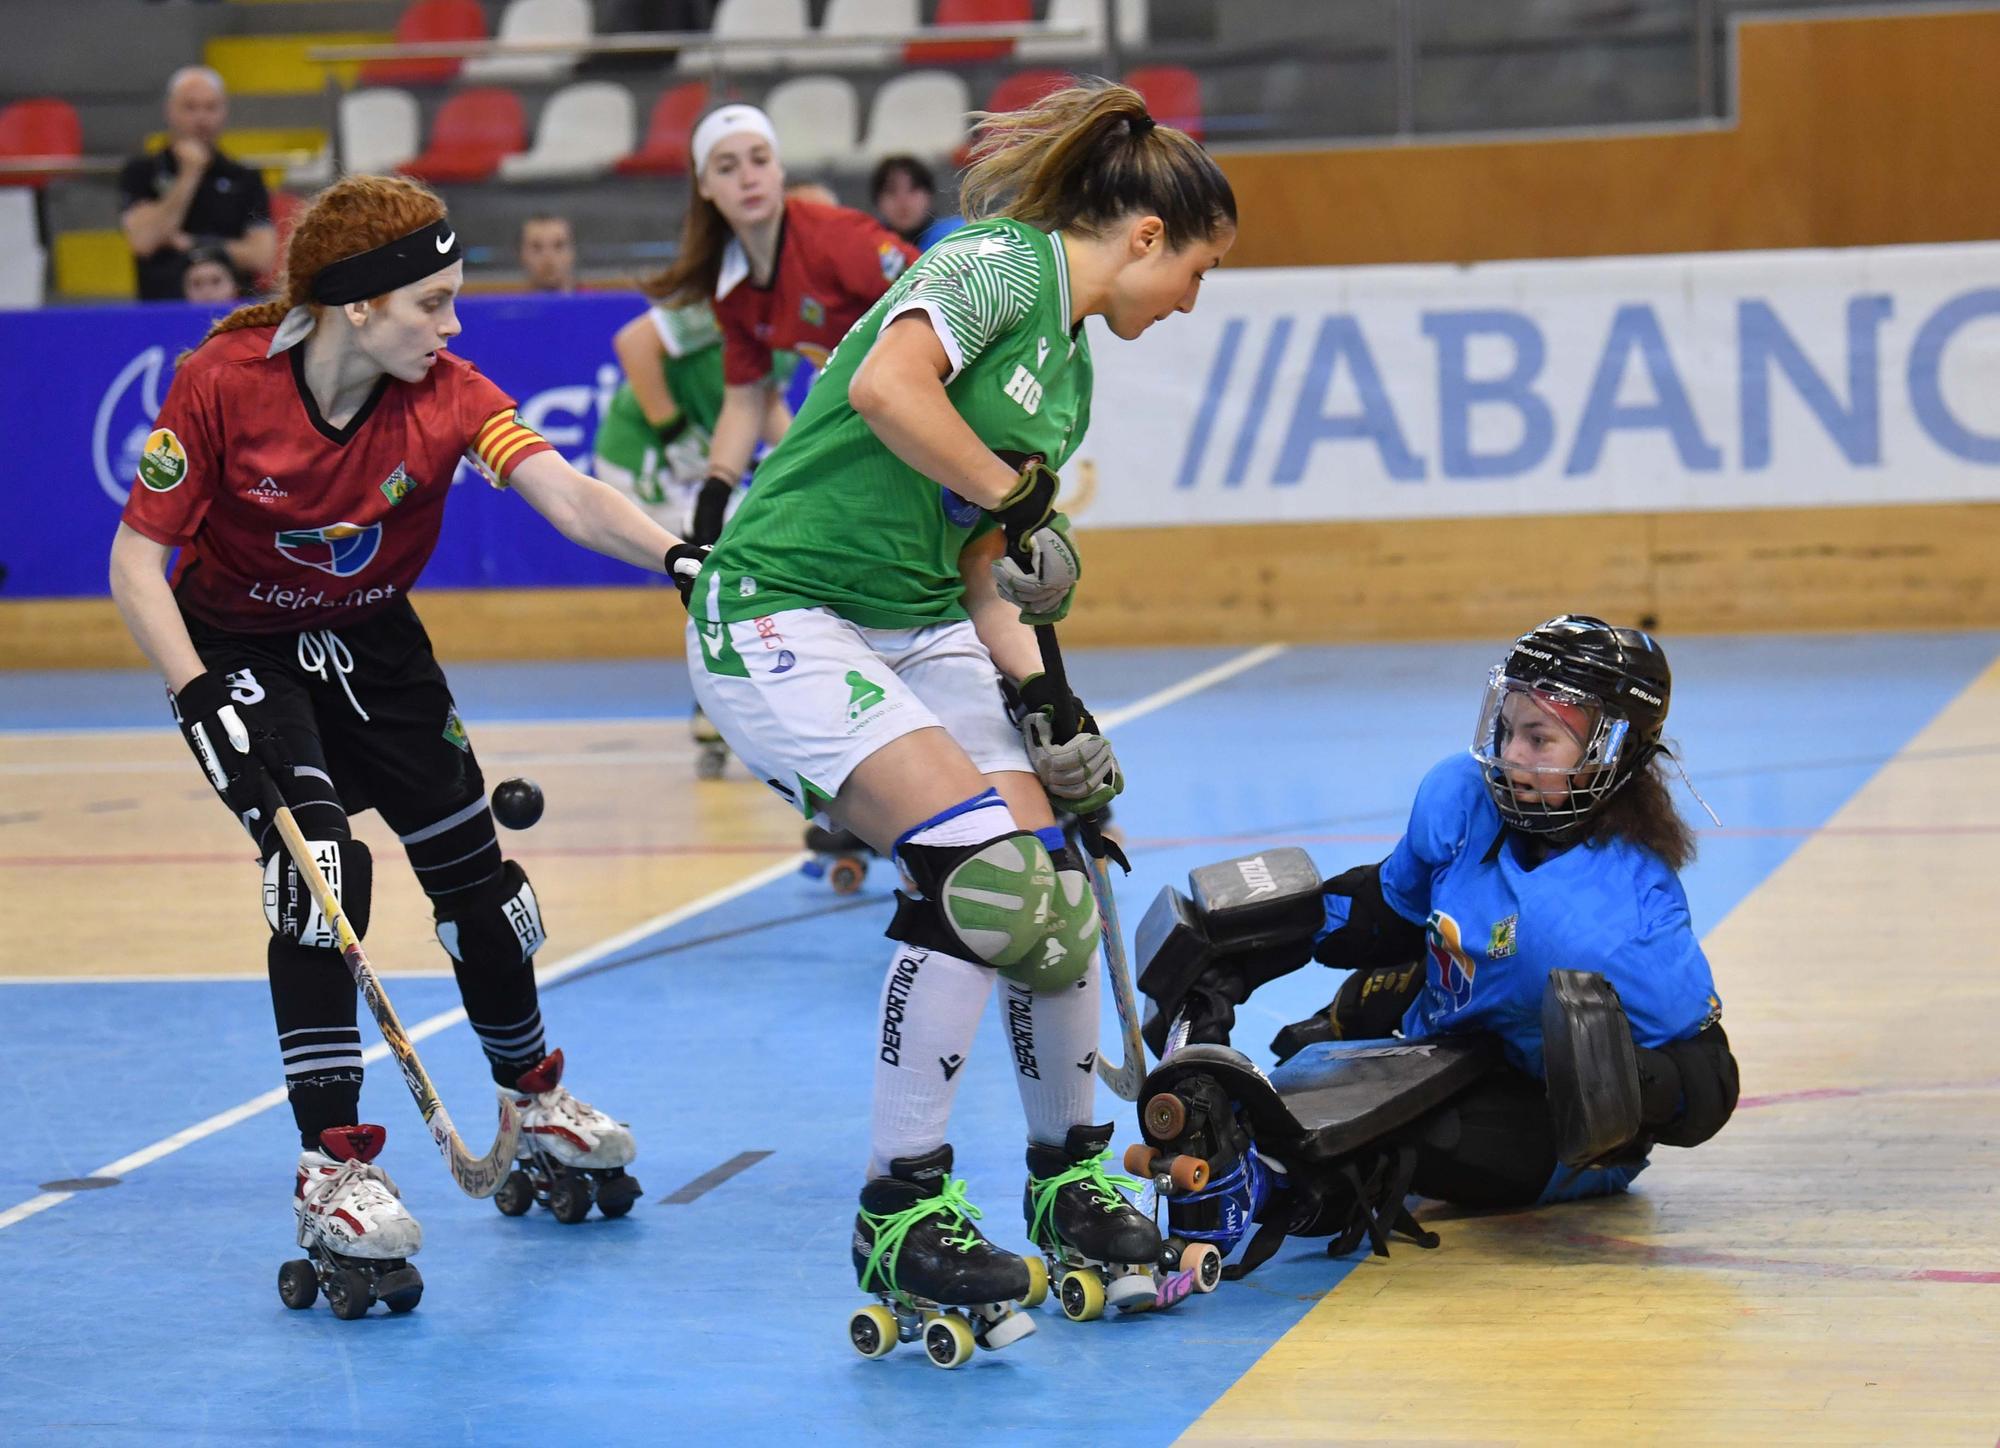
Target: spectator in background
<point>208,276</point>
<point>190,193</point>
<point>904,194</point>
<point>548,253</point>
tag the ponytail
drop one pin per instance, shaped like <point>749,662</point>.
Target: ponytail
<point>1081,158</point>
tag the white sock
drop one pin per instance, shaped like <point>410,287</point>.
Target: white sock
<point>1053,1037</point>
<point>931,1004</point>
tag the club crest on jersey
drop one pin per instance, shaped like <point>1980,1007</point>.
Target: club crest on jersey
<point>1451,968</point>
<point>811,312</point>
<point>892,258</point>
<point>342,549</point>
<point>398,485</point>
<point>164,462</point>
<point>1501,945</point>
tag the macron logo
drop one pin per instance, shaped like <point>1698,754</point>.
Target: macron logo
<point>444,242</point>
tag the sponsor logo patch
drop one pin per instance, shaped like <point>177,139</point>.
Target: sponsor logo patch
<point>1501,945</point>
<point>267,491</point>
<point>812,312</point>
<point>787,660</point>
<point>342,549</point>
<point>454,730</point>
<point>863,694</point>
<point>892,258</point>
<point>398,485</point>
<point>163,463</point>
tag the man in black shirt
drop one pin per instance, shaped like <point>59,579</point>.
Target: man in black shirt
<point>191,194</point>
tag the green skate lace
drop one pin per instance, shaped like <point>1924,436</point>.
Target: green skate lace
<point>891,1227</point>
<point>1102,1184</point>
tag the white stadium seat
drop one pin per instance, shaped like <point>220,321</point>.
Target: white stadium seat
<point>921,112</point>
<point>756,19</point>
<point>541,20</point>
<point>584,131</point>
<point>1087,15</point>
<point>865,17</point>
<point>816,118</point>
<point>380,129</point>
<point>21,258</point>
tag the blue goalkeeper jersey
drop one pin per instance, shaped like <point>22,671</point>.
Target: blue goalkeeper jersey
<point>1495,929</point>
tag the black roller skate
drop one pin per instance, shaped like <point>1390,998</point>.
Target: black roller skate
<point>1100,1250</point>
<point>938,1278</point>
<point>1205,1168</point>
<point>840,857</point>
<point>570,1152</point>
<point>357,1233</point>
<point>711,754</point>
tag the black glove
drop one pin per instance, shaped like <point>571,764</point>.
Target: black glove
<point>684,561</point>
<point>1374,935</point>
<point>220,721</point>
<point>710,509</point>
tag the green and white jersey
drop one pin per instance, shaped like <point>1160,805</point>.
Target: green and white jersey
<point>836,520</point>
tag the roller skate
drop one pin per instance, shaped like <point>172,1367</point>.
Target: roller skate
<point>711,755</point>
<point>1203,1166</point>
<point>570,1152</point>
<point>840,857</point>
<point>357,1233</point>
<point>1100,1250</point>
<point>939,1280</point>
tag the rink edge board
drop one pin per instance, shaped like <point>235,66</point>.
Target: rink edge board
<point>1921,566</point>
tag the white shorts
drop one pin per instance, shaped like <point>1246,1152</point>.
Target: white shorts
<point>803,696</point>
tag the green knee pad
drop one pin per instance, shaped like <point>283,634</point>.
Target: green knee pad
<point>1000,899</point>
<point>1068,940</point>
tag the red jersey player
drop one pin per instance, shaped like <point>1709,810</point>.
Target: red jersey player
<point>784,274</point>
<point>300,465</point>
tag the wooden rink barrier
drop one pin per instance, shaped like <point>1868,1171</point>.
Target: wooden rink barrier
<point>1754,571</point>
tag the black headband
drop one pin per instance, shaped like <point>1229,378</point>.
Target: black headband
<point>389,266</point>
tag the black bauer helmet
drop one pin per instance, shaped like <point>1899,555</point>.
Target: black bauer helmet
<point>1608,687</point>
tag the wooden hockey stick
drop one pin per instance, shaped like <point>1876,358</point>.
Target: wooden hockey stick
<point>1126,1078</point>
<point>477,1176</point>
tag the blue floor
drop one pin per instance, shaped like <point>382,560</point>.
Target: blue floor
<point>147,1312</point>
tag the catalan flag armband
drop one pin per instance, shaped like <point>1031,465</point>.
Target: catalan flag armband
<point>502,443</point>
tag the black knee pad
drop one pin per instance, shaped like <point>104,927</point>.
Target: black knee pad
<point>499,922</point>
<point>1689,1087</point>
<point>289,907</point>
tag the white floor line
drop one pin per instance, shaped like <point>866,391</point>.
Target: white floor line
<point>222,1121</point>
<point>194,977</point>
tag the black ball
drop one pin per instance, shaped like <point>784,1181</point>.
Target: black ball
<point>517,803</point>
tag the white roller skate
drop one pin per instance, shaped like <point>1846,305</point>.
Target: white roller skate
<point>357,1233</point>
<point>570,1152</point>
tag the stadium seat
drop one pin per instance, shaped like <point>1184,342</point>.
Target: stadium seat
<point>816,118</point>
<point>669,132</point>
<point>1173,95</point>
<point>1024,87</point>
<point>1088,16</point>
<point>431,20</point>
<point>754,19</point>
<point>584,130</point>
<point>921,113</point>
<point>969,12</point>
<point>40,127</point>
<point>23,264</point>
<point>537,20</point>
<point>865,17</point>
<point>380,129</point>
<point>471,132</point>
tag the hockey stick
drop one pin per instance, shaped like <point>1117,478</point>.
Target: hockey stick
<point>477,1176</point>
<point>1126,1078</point>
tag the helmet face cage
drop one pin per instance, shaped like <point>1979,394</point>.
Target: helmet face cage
<point>1563,797</point>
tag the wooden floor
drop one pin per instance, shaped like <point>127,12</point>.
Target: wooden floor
<point>1825,1271</point>
<point>120,862</point>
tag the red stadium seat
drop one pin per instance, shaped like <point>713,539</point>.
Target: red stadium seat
<point>428,20</point>
<point>40,127</point>
<point>1173,95</point>
<point>669,132</point>
<point>969,12</point>
<point>473,130</point>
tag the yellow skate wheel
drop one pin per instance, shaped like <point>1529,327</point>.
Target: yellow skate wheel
<point>1205,1262</point>
<point>1038,1283</point>
<point>948,1340</point>
<point>1082,1295</point>
<point>872,1331</point>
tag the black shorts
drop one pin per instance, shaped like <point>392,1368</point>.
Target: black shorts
<point>383,729</point>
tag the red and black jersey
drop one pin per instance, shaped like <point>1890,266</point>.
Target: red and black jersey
<point>285,522</point>
<point>833,264</point>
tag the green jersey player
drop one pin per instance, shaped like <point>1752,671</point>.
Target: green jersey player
<point>850,633</point>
